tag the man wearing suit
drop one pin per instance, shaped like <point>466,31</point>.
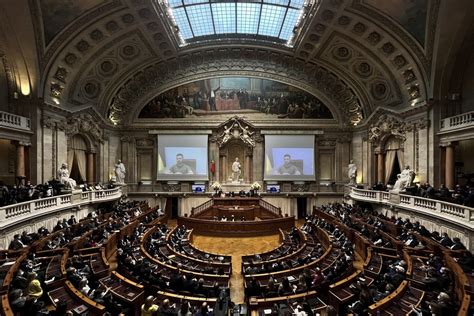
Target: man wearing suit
<point>16,243</point>
<point>212,99</point>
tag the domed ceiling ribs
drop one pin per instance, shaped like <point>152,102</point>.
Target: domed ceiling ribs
<point>122,60</point>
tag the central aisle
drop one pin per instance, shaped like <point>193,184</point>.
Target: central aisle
<point>236,247</point>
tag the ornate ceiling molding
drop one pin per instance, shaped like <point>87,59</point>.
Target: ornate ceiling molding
<point>341,98</point>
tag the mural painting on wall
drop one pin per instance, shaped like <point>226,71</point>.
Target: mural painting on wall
<point>57,14</point>
<point>236,95</point>
<point>410,14</point>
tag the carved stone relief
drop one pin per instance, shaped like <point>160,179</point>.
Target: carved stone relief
<point>236,129</point>
<point>84,123</point>
<point>385,127</point>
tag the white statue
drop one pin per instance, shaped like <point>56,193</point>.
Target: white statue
<point>404,179</point>
<point>236,170</point>
<point>63,175</point>
<point>226,136</point>
<point>120,172</point>
<point>246,136</point>
<point>352,173</point>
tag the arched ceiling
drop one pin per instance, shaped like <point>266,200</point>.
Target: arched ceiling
<point>118,54</point>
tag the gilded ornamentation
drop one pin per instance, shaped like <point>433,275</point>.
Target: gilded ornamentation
<point>56,90</point>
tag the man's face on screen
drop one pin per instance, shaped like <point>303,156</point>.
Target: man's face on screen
<point>286,159</point>
<point>179,160</point>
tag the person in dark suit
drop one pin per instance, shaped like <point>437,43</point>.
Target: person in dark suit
<point>212,99</point>
<point>167,309</point>
<point>16,243</point>
<point>457,244</point>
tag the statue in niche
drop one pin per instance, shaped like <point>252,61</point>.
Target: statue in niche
<point>352,173</point>
<point>236,169</point>
<point>404,180</point>
<point>63,175</point>
<point>120,172</point>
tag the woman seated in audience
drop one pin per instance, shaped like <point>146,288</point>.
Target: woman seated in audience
<point>148,308</point>
<point>34,289</point>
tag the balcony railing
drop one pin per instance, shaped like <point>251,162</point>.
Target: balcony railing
<point>14,121</point>
<point>457,122</point>
<point>459,214</point>
<point>17,213</point>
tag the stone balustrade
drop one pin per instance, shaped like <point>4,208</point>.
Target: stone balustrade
<point>16,214</point>
<point>440,210</point>
<point>14,121</point>
<point>457,122</point>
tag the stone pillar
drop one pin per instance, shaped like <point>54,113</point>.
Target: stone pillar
<point>248,162</point>
<point>223,168</point>
<point>449,175</point>
<point>20,160</point>
<point>380,167</point>
<point>90,167</point>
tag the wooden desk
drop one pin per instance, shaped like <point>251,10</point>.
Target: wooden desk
<point>68,293</point>
<point>125,290</point>
<point>239,228</point>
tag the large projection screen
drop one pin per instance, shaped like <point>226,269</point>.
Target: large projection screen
<point>182,157</point>
<point>289,158</point>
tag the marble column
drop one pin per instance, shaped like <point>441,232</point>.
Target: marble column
<point>90,168</point>
<point>223,168</point>
<point>20,160</point>
<point>248,162</point>
<point>449,175</point>
<point>380,167</point>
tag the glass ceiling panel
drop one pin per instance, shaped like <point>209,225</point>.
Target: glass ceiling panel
<point>174,3</point>
<point>200,19</point>
<point>269,18</point>
<point>247,17</point>
<point>280,2</point>
<point>224,17</point>
<point>182,21</point>
<point>290,22</point>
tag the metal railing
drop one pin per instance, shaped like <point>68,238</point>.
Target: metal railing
<point>14,121</point>
<point>25,211</point>
<point>439,209</point>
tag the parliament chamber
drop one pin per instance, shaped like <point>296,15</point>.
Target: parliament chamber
<point>270,157</point>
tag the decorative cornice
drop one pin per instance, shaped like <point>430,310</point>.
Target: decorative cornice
<point>159,77</point>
